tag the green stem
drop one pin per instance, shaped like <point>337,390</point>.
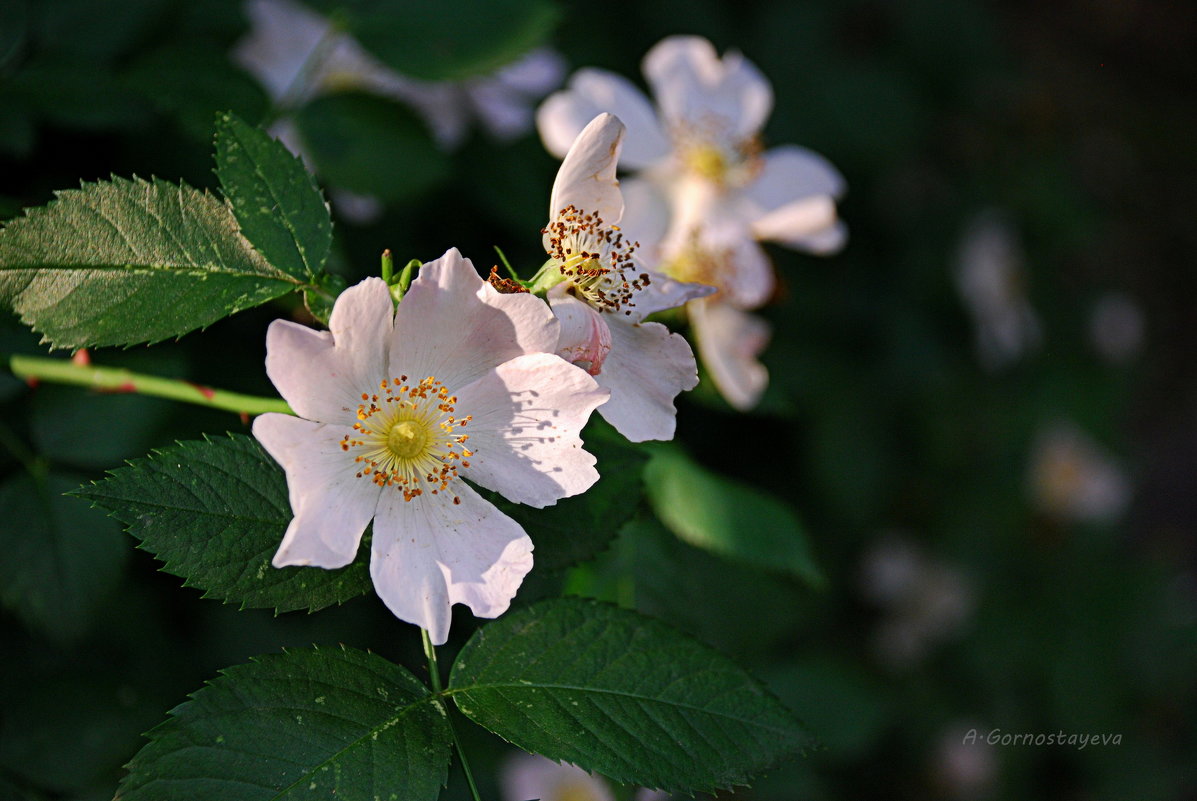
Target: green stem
<point>434,673</point>
<point>116,379</point>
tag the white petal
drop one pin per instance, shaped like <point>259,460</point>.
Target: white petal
<point>646,217</point>
<point>526,776</point>
<point>748,278</point>
<point>453,325</point>
<point>796,221</point>
<point>693,86</point>
<point>822,243</point>
<point>646,369</point>
<point>282,36</point>
<point>585,337</point>
<point>527,417</point>
<point>790,173</point>
<point>664,293</point>
<point>331,505</point>
<point>430,553</point>
<point>534,73</point>
<point>590,92</point>
<point>729,342</point>
<point>322,374</point>
<point>586,179</point>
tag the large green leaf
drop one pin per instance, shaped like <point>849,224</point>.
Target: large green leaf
<point>331,723</point>
<point>278,205</point>
<point>578,528</point>
<point>60,557</point>
<point>214,512</point>
<point>727,517</point>
<point>129,261</point>
<point>446,41</point>
<point>621,694</point>
<point>370,145</point>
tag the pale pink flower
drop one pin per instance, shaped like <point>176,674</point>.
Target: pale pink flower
<point>296,54</point>
<point>991,277</point>
<point>924,600</point>
<point>604,292</point>
<point>706,192</point>
<point>531,776</point>
<point>1074,478</point>
<point>396,407</point>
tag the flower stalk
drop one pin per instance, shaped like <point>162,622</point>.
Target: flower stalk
<point>118,379</point>
<point>434,676</point>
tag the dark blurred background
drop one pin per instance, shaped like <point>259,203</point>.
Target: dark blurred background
<point>1007,529</point>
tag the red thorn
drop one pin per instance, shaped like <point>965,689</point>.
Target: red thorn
<point>207,392</point>
<point>32,382</point>
<point>128,386</point>
<point>244,418</point>
<point>81,357</point>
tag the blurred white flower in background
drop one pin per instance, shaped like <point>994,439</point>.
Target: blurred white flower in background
<point>924,601</point>
<point>1073,478</point>
<point>991,277</point>
<point>1116,328</point>
<point>297,55</point>
<point>705,190</point>
<point>963,765</point>
<point>530,776</point>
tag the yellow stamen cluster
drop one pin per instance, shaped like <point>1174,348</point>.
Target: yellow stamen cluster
<point>710,151</point>
<point>596,259</point>
<point>699,264</point>
<point>406,433</point>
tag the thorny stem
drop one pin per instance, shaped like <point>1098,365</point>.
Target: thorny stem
<point>116,379</point>
<point>434,673</point>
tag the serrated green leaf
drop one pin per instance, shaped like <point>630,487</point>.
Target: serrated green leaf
<point>321,723</point>
<point>577,529</point>
<point>214,512</point>
<point>727,517</point>
<point>130,261</point>
<point>370,145</point>
<point>276,201</point>
<point>446,41</point>
<point>60,557</point>
<point>621,694</point>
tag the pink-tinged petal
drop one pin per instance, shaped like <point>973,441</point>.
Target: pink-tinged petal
<point>664,293</point>
<point>646,369</point>
<point>796,221</point>
<point>282,36</point>
<point>747,280</point>
<point>590,92</point>
<point>453,325</point>
<point>524,435</point>
<point>822,243</point>
<point>586,179</point>
<point>585,337</point>
<point>331,505</point>
<point>789,173</point>
<point>729,342</point>
<point>692,85</point>
<point>430,553</point>
<point>323,374</point>
<point>527,776</point>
